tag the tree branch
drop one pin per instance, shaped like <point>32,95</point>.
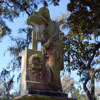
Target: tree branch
<point>21,6</point>
<point>94,52</point>
<point>8,4</point>
<point>97,70</point>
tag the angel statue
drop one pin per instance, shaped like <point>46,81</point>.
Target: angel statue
<point>47,31</point>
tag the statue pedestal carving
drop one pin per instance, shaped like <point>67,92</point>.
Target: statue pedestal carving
<point>32,77</point>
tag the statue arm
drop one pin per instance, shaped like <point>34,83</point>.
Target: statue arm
<point>53,38</point>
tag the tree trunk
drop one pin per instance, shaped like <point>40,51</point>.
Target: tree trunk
<point>90,94</point>
<point>92,75</point>
<point>86,89</point>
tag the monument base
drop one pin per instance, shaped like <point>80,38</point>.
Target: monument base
<point>40,95</point>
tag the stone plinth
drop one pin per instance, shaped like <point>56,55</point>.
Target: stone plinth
<point>38,97</point>
<point>46,95</point>
<point>34,84</point>
<point>31,97</point>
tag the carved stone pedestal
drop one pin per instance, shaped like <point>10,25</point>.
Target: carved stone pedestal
<point>32,72</point>
<point>34,79</point>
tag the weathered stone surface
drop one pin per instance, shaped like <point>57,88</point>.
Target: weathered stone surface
<point>47,31</point>
<point>35,78</point>
<point>31,79</point>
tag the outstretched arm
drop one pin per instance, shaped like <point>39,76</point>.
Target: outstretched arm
<point>51,40</point>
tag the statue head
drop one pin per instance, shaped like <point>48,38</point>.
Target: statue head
<point>45,13</point>
<point>40,17</point>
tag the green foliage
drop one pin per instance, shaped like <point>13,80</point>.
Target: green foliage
<point>79,94</point>
<point>84,15</point>
<point>81,53</point>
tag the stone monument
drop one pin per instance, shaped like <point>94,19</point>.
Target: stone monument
<point>40,71</point>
